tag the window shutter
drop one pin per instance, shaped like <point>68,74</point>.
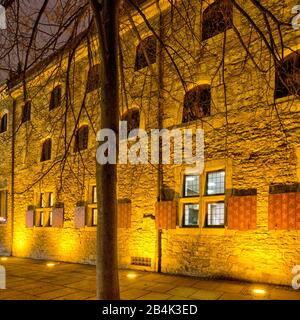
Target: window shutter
<point>124,214</point>
<point>29,219</point>
<point>166,214</point>
<point>242,211</point>
<point>57,217</point>
<point>284,211</point>
<point>79,217</point>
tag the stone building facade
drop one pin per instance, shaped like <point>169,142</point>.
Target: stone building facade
<point>239,218</point>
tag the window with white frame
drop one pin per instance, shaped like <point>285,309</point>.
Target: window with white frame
<point>94,216</point>
<point>215,214</point>
<point>209,200</point>
<point>3,206</point>
<point>92,212</point>
<point>43,212</point>
<point>191,215</point>
<point>191,186</point>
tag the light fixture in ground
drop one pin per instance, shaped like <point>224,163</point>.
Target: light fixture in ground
<point>3,258</point>
<point>131,275</point>
<point>50,264</point>
<point>259,291</point>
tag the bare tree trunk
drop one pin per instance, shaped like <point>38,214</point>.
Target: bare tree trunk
<point>106,14</point>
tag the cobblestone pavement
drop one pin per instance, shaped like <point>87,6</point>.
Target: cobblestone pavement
<point>28,279</point>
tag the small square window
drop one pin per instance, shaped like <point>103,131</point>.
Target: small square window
<point>42,201</point>
<point>215,214</point>
<point>41,219</point>
<point>191,215</point>
<point>215,183</point>
<point>94,194</point>
<point>191,186</point>
<point>94,216</point>
<point>3,206</point>
<point>50,199</point>
<point>50,219</point>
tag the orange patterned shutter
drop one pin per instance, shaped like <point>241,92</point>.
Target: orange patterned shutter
<point>284,211</point>
<point>29,219</point>
<point>124,215</point>
<point>58,217</point>
<point>165,214</point>
<point>242,212</point>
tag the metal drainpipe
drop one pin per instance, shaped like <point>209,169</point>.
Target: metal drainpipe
<point>160,168</point>
<point>13,174</point>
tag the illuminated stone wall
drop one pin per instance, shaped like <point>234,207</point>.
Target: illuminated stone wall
<point>5,170</point>
<point>244,135</point>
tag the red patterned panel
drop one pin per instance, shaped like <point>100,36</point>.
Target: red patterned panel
<point>292,211</point>
<point>253,216</point>
<point>79,217</point>
<point>165,214</point>
<point>58,217</point>
<point>124,215</point>
<point>284,211</point>
<point>29,219</point>
<point>242,212</point>
<point>271,216</point>
<point>297,210</point>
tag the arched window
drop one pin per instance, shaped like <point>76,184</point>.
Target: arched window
<point>133,119</point>
<point>46,150</point>
<point>81,139</point>
<point>55,98</point>
<point>3,124</point>
<point>26,112</point>
<point>93,81</point>
<point>287,79</point>
<point>197,103</point>
<point>145,53</point>
<point>217,18</point>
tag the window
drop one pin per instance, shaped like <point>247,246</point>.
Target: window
<point>55,98</point>
<point>145,53</point>
<point>197,103</point>
<point>215,184</point>
<point>191,215</point>
<point>217,18</point>
<point>92,211</point>
<point>42,200</point>
<point>3,206</point>
<point>215,214</point>
<point>50,219</point>
<point>93,81</point>
<point>94,216</point>
<point>50,199</point>
<point>287,79</point>
<point>203,196</point>
<point>3,124</point>
<point>43,212</point>
<point>94,194</point>
<point>191,186</point>
<point>133,119</point>
<point>26,113</point>
<point>46,150</point>
<point>81,139</point>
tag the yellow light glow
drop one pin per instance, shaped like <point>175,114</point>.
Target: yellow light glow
<point>3,259</point>
<point>259,291</point>
<point>131,275</point>
<point>50,264</point>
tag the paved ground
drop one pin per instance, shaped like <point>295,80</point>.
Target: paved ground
<point>34,280</point>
